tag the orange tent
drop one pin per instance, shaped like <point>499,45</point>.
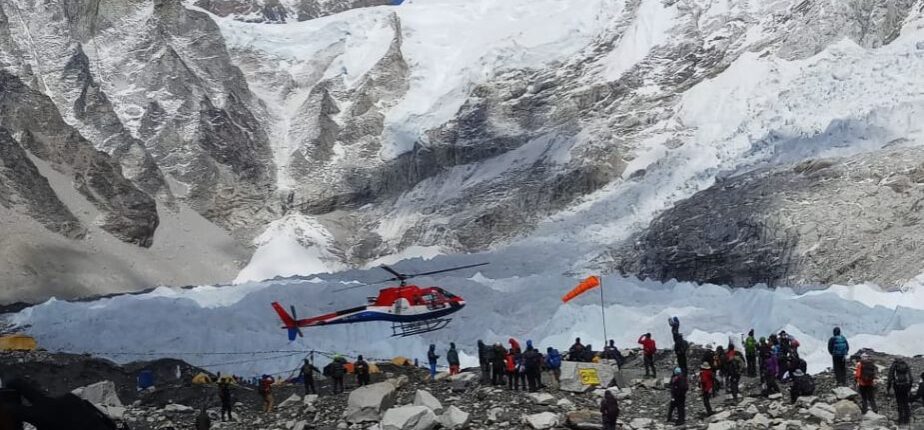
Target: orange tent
<point>585,285</point>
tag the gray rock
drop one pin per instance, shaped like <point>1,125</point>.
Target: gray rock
<point>846,410</point>
<point>842,393</point>
<point>425,399</point>
<point>454,418</point>
<point>367,403</point>
<point>542,421</point>
<point>409,418</point>
<point>584,420</point>
<point>571,376</point>
<point>101,393</point>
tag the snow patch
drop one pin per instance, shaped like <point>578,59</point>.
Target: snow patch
<point>293,245</point>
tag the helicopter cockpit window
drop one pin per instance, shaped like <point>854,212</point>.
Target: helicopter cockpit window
<point>446,294</point>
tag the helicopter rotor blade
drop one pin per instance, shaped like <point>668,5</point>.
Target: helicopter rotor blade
<point>397,274</point>
<point>447,270</point>
<point>295,317</point>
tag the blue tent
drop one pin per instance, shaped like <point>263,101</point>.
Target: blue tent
<point>396,2</point>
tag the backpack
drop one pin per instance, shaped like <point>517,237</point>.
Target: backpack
<point>840,346</point>
<point>806,385</point>
<point>902,375</point>
<point>867,370</point>
<point>554,360</point>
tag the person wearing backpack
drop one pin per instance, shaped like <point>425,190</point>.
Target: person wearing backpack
<point>532,360</point>
<point>224,395</point>
<point>802,385</point>
<point>266,392</point>
<point>763,354</point>
<point>553,361</point>
<point>307,374</point>
<point>510,366</point>
<point>498,364</point>
<point>839,348</point>
<point>865,376</point>
<point>679,388</point>
<point>900,380</point>
<point>452,357</point>
<point>361,368</point>
<point>681,347</point>
<point>750,351</point>
<point>484,361</point>
<point>337,370</point>
<point>648,349</point>
<point>734,368</point>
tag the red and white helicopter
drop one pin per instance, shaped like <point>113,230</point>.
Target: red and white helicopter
<point>410,309</point>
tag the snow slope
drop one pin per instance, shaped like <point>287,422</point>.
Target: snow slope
<point>239,320</point>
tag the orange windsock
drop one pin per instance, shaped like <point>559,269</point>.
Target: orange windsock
<point>585,285</point>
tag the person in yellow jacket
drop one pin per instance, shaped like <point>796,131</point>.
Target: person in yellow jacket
<point>865,375</point>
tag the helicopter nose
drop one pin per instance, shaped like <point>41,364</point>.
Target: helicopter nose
<point>458,303</point>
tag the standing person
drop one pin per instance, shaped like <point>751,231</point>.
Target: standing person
<point>648,349</point>
<point>452,356</point>
<point>224,395</point>
<point>679,389</point>
<point>484,361</point>
<point>900,380</point>
<point>750,354</point>
<point>510,364</point>
<point>576,352</point>
<point>763,354</point>
<point>532,360</point>
<point>529,345</point>
<point>307,374</point>
<point>770,370</point>
<point>734,367</point>
<point>865,376</point>
<point>337,371</point>
<point>706,381</point>
<point>785,353</point>
<point>802,385</point>
<point>609,408</point>
<point>681,347</point>
<point>839,348</point>
<point>919,394</point>
<point>553,361</point>
<point>361,369</point>
<point>718,366</point>
<point>498,364</point>
<point>266,392</point>
<point>432,356</point>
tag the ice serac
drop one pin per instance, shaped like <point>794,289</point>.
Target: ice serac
<point>842,220</point>
<point>280,11</point>
<point>124,211</point>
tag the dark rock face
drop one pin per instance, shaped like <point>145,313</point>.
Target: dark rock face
<point>22,186</point>
<point>125,211</point>
<point>815,222</point>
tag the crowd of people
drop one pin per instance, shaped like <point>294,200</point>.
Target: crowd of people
<point>774,359</point>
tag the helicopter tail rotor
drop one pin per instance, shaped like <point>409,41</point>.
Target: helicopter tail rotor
<point>290,322</point>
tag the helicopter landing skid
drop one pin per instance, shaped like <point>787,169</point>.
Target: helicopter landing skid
<point>404,329</point>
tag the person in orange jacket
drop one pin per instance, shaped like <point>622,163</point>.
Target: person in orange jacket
<point>865,375</point>
<point>648,349</point>
<point>706,385</point>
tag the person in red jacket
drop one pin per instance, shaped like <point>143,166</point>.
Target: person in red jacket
<point>705,384</point>
<point>648,350</point>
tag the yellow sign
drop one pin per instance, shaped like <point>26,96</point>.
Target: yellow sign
<point>589,376</point>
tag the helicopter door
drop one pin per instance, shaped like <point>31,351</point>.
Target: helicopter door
<point>401,305</point>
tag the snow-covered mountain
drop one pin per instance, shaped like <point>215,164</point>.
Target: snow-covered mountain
<point>375,133</point>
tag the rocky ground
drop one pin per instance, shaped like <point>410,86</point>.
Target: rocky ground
<point>401,398</point>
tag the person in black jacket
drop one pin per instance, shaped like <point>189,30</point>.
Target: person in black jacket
<point>679,387</point>
<point>802,385</point>
<point>452,357</point>
<point>484,361</point>
<point>532,360</point>
<point>919,394</point>
<point>307,375</point>
<point>361,369</point>
<point>203,422</point>
<point>609,408</point>
<point>224,395</point>
<point>498,364</point>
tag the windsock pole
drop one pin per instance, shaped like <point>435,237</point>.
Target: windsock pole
<point>603,314</point>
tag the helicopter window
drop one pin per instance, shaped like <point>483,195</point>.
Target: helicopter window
<point>446,294</point>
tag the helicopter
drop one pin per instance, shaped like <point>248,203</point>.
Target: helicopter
<point>411,309</point>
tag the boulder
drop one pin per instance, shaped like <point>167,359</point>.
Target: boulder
<point>822,411</point>
<point>464,376</point>
<point>101,393</point>
<point>291,401</point>
<point>565,403</point>
<point>454,418</point>
<point>425,399</point>
<point>542,398</point>
<point>173,407</point>
<point>641,423</point>
<point>409,418</point>
<point>571,376</point>
<point>367,403</point>
<point>842,393</point>
<point>872,420</point>
<point>399,381</point>
<point>723,425</point>
<point>542,421</point>
<point>584,420</point>
<point>310,399</point>
<point>494,414</point>
<point>807,400</point>
<point>845,410</point>
<point>720,416</point>
<point>760,421</point>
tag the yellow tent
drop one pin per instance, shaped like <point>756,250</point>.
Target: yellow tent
<point>401,361</point>
<point>17,342</point>
<point>373,368</point>
<point>201,378</point>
